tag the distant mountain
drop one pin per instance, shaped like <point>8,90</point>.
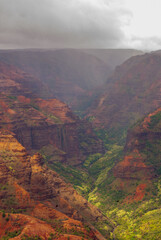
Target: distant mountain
<point>70,66</point>
<point>73,76</point>
<point>113,57</point>
<point>133,90</point>
<point>35,202</point>
<point>15,81</point>
<point>38,123</point>
<point>69,74</point>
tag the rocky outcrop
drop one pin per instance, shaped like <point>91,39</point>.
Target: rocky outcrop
<point>132,91</point>
<point>133,167</point>
<point>14,157</point>
<point>141,163</point>
<point>41,123</point>
<point>28,122</point>
<point>14,81</point>
<point>27,182</point>
<point>70,74</point>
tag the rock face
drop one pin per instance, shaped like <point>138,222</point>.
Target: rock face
<point>40,123</point>
<point>54,209</point>
<point>15,81</point>
<point>73,75</point>
<point>70,74</point>
<point>26,181</point>
<point>141,163</point>
<point>132,91</point>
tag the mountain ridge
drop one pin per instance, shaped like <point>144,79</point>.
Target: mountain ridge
<point>132,91</point>
<point>39,191</point>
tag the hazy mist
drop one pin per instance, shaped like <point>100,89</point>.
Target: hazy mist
<point>62,23</point>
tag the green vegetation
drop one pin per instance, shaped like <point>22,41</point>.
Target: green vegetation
<point>137,221</point>
<point>155,121</point>
<point>54,118</point>
<point>79,177</point>
<point>3,214</point>
<point>11,235</point>
<point>152,152</point>
<point>25,237</point>
<point>95,180</point>
<point>91,118</point>
<point>115,135</point>
<point>103,135</point>
<point>91,159</point>
<point>51,154</point>
<point>12,97</point>
<point>9,201</point>
<point>86,141</point>
<point>105,163</point>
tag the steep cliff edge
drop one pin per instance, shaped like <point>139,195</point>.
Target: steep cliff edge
<point>127,185</point>
<point>134,89</point>
<point>70,74</point>
<point>15,81</point>
<point>40,123</point>
<point>54,209</point>
<point>141,163</point>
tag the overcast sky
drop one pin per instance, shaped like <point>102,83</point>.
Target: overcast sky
<point>80,24</point>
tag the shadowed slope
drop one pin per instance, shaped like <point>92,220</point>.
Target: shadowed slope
<point>133,90</point>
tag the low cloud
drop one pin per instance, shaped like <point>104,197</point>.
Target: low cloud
<point>147,44</point>
<point>61,23</point>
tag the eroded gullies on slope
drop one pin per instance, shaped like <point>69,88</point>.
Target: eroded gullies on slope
<point>28,183</point>
<point>125,185</point>
<point>133,184</point>
<point>35,201</point>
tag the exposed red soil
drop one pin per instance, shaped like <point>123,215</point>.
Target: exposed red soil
<point>24,99</point>
<point>139,194</point>
<point>147,119</point>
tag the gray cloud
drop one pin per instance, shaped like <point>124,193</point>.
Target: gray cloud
<point>147,44</point>
<point>60,23</point>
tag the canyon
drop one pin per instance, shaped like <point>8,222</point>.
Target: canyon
<point>65,177</point>
<point>36,201</point>
<point>133,90</point>
<point>71,75</point>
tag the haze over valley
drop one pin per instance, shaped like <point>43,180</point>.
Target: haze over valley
<point>80,120</point>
